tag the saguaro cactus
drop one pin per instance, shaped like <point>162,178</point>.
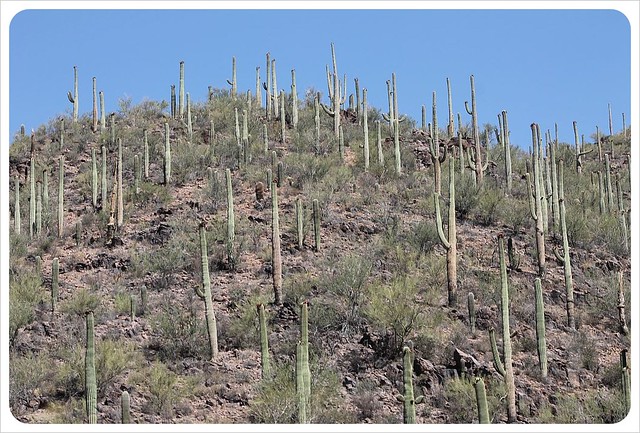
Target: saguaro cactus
<point>299,223</point>
<point>189,123</point>
<point>336,95</point>
<point>622,215</point>
<point>55,288</point>
<point>316,224</point>
<point>481,400</point>
<point>622,317</point>
<point>16,206</point>
<point>61,197</point>
<point>167,155</point>
<point>120,193</point>
<point>90,372</point>
<point>396,127</point>
<point>233,82</point>
<point>32,194</point>
<point>449,242</point>
<point>471,307</point>
<point>476,162</point>
<point>506,336</point>
<point>38,207</point>
<point>437,158</point>
<point>204,292</point>
<point>507,151</point>
<point>181,92</point>
<point>450,124</point>
<point>535,200</point>
<point>94,124</point>
<point>303,371</point>
<point>145,157</point>
<point>103,177</point>
<point>94,179</point>
<point>540,329</point>
<point>231,220</point>
<point>103,115</point>
<point>74,98</point>
<point>579,152</point>
<point>365,129</point>
<point>566,258</point>
<point>276,258</point>
<point>264,342</point>
<point>407,398</point>
<point>626,379</point>
<point>294,100</point>
<point>125,407</point>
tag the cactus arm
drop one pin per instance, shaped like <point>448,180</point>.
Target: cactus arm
<point>466,107</point>
<point>532,205</point>
<point>441,234</point>
<point>497,362</point>
<point>328,110</point>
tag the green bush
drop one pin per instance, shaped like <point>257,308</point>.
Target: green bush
<point>395,307</point>
<point>25,294</point>
<point>591,407</point>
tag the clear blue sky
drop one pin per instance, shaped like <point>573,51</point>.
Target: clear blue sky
<point>541,66</point>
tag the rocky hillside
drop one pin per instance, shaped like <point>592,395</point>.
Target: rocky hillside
<point>378,280</point>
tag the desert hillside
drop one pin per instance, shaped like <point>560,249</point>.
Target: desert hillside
<point>144,242</point>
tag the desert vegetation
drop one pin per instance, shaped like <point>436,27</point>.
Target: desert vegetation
<point>293,260</point>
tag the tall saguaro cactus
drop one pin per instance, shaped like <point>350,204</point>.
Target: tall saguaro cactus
<point>231,219</point>
<point>540,328</point>
<point>316,224</point>
<point>450,242</point>
<point>120,221</point>
<point>434,148</point>
<point>276,258</point>
<point>61,197</point>
<point>181,91</point>
<point>365,129</point>
<point>264,342</point>
<point>566,258</point>
<point>55,287</point>
<point>535,200</point>
<point>167,155</point>
<point>16,206</point>
<point>506,336</point>
<point>74,98</point>
<point>90,372</point>
<point>204,292</point>
<point>233,83</point>
<point>622,316</point>
<point>32,194</point>
<point>407,397</point>
<point>450,124</point>
<point>476,164</point>
<point>396,127</point>
<point>336,95</point>
<point>579,152</point>
<point>94,124</point>
<point>94,179</point>
<point>294,100</point>
<point>507,151</point>
<point>103,177</point>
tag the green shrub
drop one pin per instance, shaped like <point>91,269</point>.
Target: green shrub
<point>180,332</point>
<point>25,294</point>
<point>395,307</point>
<point>590,407</point>
<point>81,301</point>
<point>26,374</point>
